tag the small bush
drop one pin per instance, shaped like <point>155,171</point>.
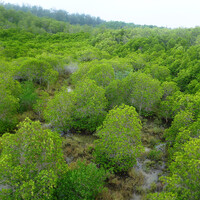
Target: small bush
<point>9,105</point>
<point>83,182</point>
<point>41,104</point>
<point>155,155</point>
<point>28,96</point>
<point>153,187</point>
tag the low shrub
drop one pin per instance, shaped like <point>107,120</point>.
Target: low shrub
<point>83,182</point>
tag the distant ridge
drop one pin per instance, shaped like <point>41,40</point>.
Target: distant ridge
<point>74,19</point>
<point>59,15</point>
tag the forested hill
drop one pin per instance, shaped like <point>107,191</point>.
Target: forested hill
<point>59,15</point>
<point>93,112</point>
<point>26,21</point>
<point>62,15</point>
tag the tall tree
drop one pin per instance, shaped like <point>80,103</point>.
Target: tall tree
<point>119,142</point>
<point>142,91</point>
<point>82,109</point>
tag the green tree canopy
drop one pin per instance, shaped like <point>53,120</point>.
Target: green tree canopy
<point>90,105</point>
<point>81,182</point>
<point>38,70</point>
<point>142,91</point>
<point>162,73</point>
<point>114,93</point>
<point>28,96</point>
<point>185,134</point>
<point>59,109</point>
<point>30,162</point>
<point>119,142</point>
<point>101,73</point>
<point>9,101</point>
<point>82,109</point>
<point>182,120</point>
<point>8,109</point>
<point>185,174</point>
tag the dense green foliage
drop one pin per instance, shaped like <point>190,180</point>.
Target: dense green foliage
<point>30,162</point>
<point>183,183</point>
<point>41,104</point>
<point>93,79</point>
<point>27,97</point>
<point>8,109</point>
<point>82,182</point>
<point>182,119</point>
<point>142,91</point>
<point>9,102</point>
<point>119,142</point>
<point>82,109</point>
<point>102,74</point>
